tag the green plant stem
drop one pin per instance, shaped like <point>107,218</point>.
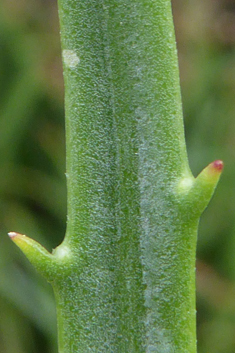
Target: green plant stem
<point>124,277</point>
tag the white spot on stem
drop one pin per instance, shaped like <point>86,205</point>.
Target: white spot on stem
<point>61,252</point>
<point>70,58</point>
<point>185,184</point>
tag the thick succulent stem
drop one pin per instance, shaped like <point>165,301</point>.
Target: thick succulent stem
<point>124,277</point>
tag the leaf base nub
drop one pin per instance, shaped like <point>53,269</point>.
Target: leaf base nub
<point>196,193</point>
<point>42,260</point>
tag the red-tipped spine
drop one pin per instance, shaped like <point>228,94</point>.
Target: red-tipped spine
<point>218,165</point>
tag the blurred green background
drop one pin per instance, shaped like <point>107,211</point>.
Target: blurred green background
<point>32,163</point>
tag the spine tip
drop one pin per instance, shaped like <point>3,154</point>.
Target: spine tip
<point>36,253</point>
<point>12,235</point>
<point>201,189</point>
<point>217,165</point>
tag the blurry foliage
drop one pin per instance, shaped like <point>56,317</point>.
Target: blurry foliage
<point>32,163</point>
<point>32,168</point>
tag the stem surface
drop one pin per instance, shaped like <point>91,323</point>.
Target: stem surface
<point>124,276</point>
